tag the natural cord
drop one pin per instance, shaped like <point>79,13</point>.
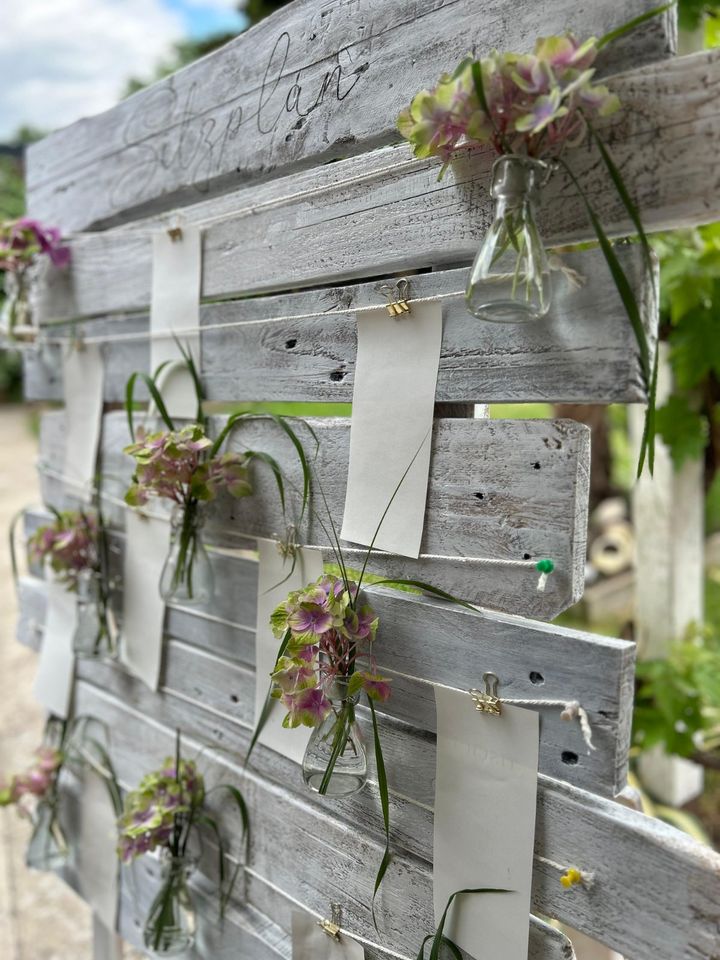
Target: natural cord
<point>539,566</point>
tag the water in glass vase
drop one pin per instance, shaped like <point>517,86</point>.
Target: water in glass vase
<point>91,637</point>
<point>510,278</point>
<point>171,922</point>
<point>335,761</point>
<point>187,576</point>
<point>48,849</point>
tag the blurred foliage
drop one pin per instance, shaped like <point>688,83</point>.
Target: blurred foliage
<point>677,700</point>
<point>187,51</point>
<point>690,315</point>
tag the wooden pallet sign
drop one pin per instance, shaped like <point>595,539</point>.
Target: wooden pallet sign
<point>292,247</point>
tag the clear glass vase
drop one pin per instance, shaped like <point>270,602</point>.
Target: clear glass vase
<point>171,922</point>
<point>92,636</point>
<point>510,278</point>
<point>16,319</point>
<point>187,576</point>
<point>48,848</point>
<point>335,761</point>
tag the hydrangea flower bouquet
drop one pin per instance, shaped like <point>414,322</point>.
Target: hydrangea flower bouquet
<point>162,815</point>
<point>22,243</point>
<point>185,466</point>
<point>74,546</point>
<point>529,108</point>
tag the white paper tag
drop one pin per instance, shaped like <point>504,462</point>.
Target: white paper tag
<point>83,380</point>
<point>310,942</point>
<point>56,666</point>
<point>174,308</point>
<point>392,416</point>
<point>485,796</point>
<point>147,540</point>
<point>273,588</point>
<point>96,855</point>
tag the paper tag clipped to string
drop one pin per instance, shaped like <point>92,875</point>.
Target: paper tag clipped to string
<point>485,797</point>
<point>391,430</point>
<point>174,308</point>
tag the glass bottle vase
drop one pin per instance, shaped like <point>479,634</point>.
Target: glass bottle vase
<point>187,577</point>
<point>335,761</point>
<point>48,848</point>
<point>510,278</point>
<point>16,318</point>
<point>92,636</point>
<point>171,922</point>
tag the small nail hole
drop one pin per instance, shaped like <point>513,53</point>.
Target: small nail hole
<point>536,678</point>
<point>289,344</point>
<point>480,496</point>
<point>536,465</point>
<point>234,698</point>
<point>526,556</point>
<point>568,757</point>
<point>337,375</point>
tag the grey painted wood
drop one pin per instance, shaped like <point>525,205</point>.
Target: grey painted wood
<point>211,664</point>
<point>498,489</point>
<point>567,357</point>
<point>315,82</point>
<point>397,217</point>
<point>656,894</point>
<point>244,927</point>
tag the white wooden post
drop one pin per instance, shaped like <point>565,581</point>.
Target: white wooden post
<point>668,517</point>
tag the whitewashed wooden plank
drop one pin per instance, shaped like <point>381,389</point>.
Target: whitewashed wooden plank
<point>385,212</point>
<point>245,929</point>
<point>567,357</point>
<point>210,662</point>
<point>498,490</point>
<point>316,82</point>
<point>656,894</point>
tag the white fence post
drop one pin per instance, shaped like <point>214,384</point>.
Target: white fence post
<point>669,526</point>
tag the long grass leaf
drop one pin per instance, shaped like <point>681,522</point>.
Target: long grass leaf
<point>632,24</point>
<point>384,805</point>
<point>428,587</point>
<point>265,712</point>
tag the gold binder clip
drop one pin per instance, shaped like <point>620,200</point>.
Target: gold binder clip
<point>396,297</point>
<point>487,702</point>
<point>332,927</point>
<point>175,231</point>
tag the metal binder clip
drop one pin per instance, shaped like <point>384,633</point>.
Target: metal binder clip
<point>332,927</point>
<point>487,702</point>
<point>175,231</point>
<point>396,297</point>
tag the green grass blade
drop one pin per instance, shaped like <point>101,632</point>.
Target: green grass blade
<point>197,382</point>
<point>384,804</point>
<point>275,467</point>
<point>265,712</point>
<point>632,24</point>
<point>428,587</point>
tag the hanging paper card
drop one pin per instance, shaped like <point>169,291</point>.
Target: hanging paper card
<point>392,416</point>
<point>146,546</point>
<point>274,585</point>
<point>485,795</point>
<point>54,678</point>
<point>310,942</point>
<point>174,310</point>
<point>83,375</point>
<point>96,849</point>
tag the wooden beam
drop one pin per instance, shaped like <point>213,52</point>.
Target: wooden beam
<point>498,490</point>
<point>567,357</point>
<point>385,212</point>
<point>210,662</point>
<point>306,86</point>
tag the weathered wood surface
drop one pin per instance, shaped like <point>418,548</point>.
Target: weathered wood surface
<point>246,930</point>
<point>567,357</point>
<point>498,490</point>
<point>656,894</point>
<point>318,81</point>
<point>210,662</point>
<point>385,212</point>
